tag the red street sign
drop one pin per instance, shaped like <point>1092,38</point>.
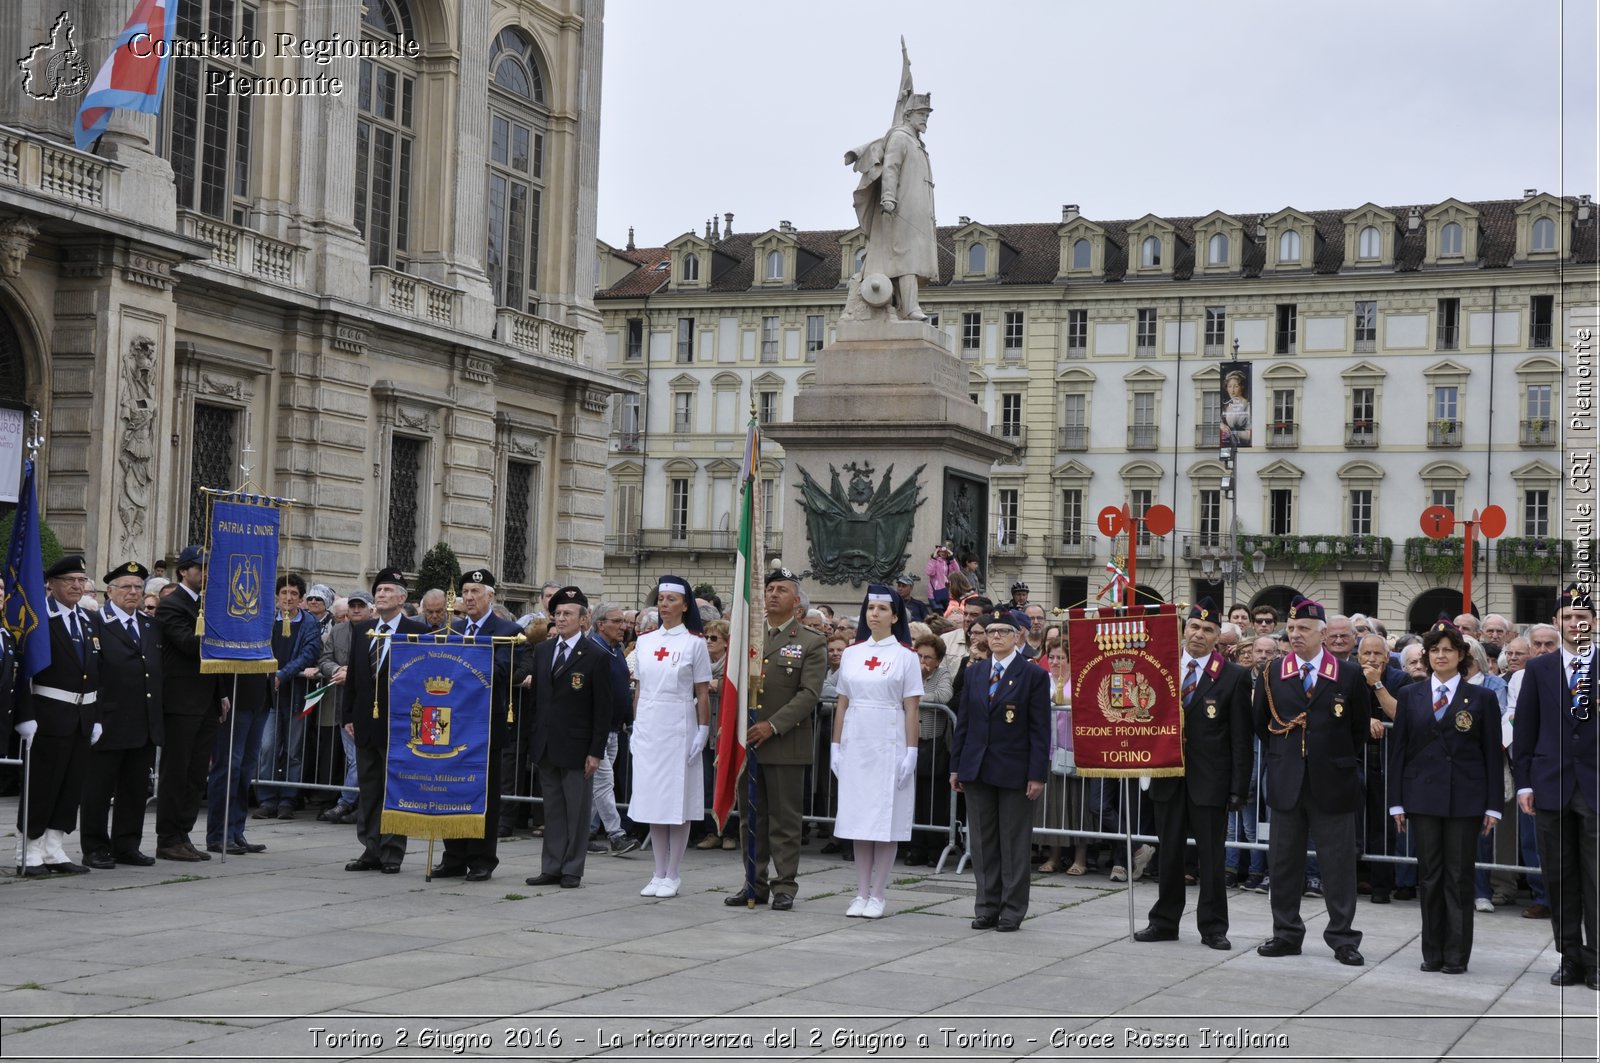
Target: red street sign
<point>1493,522</point>
<point>1158,520</point>
<point>1111,523</point>
<point>1438,522</point>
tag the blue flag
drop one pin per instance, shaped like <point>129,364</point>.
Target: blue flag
<point>237,608</point>
<point>24,575</point>
<point>438,736</point>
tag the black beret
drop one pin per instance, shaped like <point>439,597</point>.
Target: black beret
<point>390,575</point>
<point>1206,609</point>
<point>782,575</point>
<point>132,568</point>
<point>569,596</point>
<point>1575,597</point>
<point>478,575</point>
<point>67,566</point>
<point>1303,608</point>
<point>1002,617</point>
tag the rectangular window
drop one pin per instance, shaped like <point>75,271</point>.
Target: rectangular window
<point>1539,396</point>
<point>1281,517</point>
<point>625,517</point>
<point>1074,422</point>
<point>1013,330</point>
<point>685,340</point>
<point>1362,430</point>
<point>1361,511</point>
<point>1145,339</point>
<point>1210,417</point>
<point>767,406</point>
<point>769,500</point>
<point>517,538</point>
<point>1142,433</point>
<point>1210,517</point>
<point>1139,501</point>
<point>405,500</point>
<point>1536,512</point>
<point>769,339</point>
<point>213,459</point>
<point>628,422</point>
<point>1077,332</point>
<point>815,334</point>
<point>682,412</point>
<point>1446,497</point>
<point>1011,414</point>
<point>635,349</point>
<point>971,332</point>
<point>1449,330</point>
<point>1287,328</point>
<point>1366,326</point>
<point>1216,329</point>
<point>1358,596</point>
<point>383,164</point>
<point>1283,408</point>
<point>1006,532</point>
<point>1071,516</point>
<point>1542,321</point>
<point>679,513</point>
<point>1444,403</point>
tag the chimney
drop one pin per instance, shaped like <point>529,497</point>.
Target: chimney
<point>708,228</point>
<point>1529,193</point>
<point>1414,219</point>
<point>1583,207</point>
<point>1261,227</point>
<point>716,228</point>
<point>630,238</point>
<point>963,220</point>
<point>786,226</point>
<point>728,227</point>
<point>1069,212</point>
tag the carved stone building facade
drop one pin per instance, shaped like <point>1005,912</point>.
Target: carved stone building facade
<point>1402,356</point>
<point>376,295</point>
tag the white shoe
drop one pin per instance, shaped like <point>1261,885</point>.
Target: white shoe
<point>1141,860</point>
<point>1119,873</point>
<point>874,909</point>
<point>1483,904</point>
<point>857,906</point>
<point>668,887</point>
<point>650,890</point>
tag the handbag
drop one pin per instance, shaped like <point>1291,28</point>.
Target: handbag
<point>1062,763</point>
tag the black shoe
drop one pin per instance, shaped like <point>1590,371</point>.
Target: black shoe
<point>1007,926</point>
<point>66,867</point>
<point>391,869</point>
<point>1569,973</point>
<point>984,922</point>
<point>265,812</point>
<point>1430,966</point>
<point>450,871</point>
<point>234,849</point>
<point>1219,942</point>
<point>249,847</point>
<point>546,879</point>
<point>1405,893</point>
<point>504,833</point>
<point>742,899</point>
<point>135,859</point>
<point>478,874</point>
<point>286,810</point>
<point>99,861</point>
<point>1155,933</point>
<point>1350,956</point>
<point>35,871</point>
<point>1277,947</point>
<point>622,843</point>
<point>782,902</point>
<point>831,848</point>
<point>363,864</point>
<point>1379,898</point>
<point>1592,978</point>
<point>568,882</point>
<point>916,858</point>
<point>1454,968</point>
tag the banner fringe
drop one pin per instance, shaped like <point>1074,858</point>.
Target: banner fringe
<point>227,667</point>
<point>421,825</point>
<point>1125,773</point>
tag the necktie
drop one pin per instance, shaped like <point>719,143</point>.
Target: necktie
<point>472,629</point>
<point>561,655</point>
<point>1190,681</point>
<point>1308,677</point>
<point>994,680</point>
<point>379,646</point>
<point>1439,703</point>
<point>133,628</point>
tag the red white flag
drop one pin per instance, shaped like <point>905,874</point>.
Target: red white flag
<point>744,649</point>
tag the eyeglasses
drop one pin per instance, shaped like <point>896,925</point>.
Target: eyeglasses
<point>1001,632</point>
<point>715,638</point>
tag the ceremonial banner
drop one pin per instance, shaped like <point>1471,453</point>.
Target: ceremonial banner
<point>1127,719</point>
<point>237,607</point>
<point>24,574</point>
<point>733,716</point>
<point>437,783</point>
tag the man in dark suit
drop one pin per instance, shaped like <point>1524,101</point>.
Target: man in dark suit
<point>190,709</point>
<point>364,714</point>
<point>1217,759</point>
<point>1555,751</point>
<point>476,858</point>
<point>572,715</point>
<point>1445,785</point>
<point>794,661</point>
<point>130,711</point>
<point>999,755</point>
<point>1312,714</point>
<point>60,718</point>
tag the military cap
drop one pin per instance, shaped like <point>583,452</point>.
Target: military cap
<point>1303,608</point>
<point>1003,617</point>
<point>568,596</point>
<point>393,576</point>
<point>780,575</point>
<point>1575,597</point>
<point>132,568</point>
<point>191,555</point>
<point>67,566</point>
<point>1205,609</point>
<point>478,575</point>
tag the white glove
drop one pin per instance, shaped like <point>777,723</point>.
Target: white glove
<point>27,729</point>
<point>908,768</point>
<point>95,733</point>
<point>835,755</point>
<point>701,733</point>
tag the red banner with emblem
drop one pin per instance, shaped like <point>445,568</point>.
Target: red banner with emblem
<point>1127,717</point>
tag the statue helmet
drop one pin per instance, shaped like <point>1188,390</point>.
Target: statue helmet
<point>919,101</point>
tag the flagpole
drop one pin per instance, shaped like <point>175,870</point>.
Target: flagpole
<point>757,621</point>
<point>27,779</point>
<point>227,792</point>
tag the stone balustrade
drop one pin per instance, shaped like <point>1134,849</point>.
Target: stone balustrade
<point>536,335</point>
<point>412,296</point>
<point>245,251</point>
<point>57,171</point>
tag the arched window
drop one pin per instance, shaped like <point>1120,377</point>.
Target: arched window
<point>1217,250</point>
<point>1150,251</point>
<point>860,259</point>
<point>774,265</point>
<point>1289,246</point>
<point>691,267</point>
<point>385,149</point>
<point>1544,234</point>
<point>1450,239</point>
<point>977,258</point>
<point>1370,244</point>
<point>518,123</point>
<point>1080,254</point>
<point>208,138</point>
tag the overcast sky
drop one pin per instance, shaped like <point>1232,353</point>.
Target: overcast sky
<point>1162,106</point>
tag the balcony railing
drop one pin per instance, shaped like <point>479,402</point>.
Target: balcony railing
<point>1444,433</point>
<point>690,540</point>
<point>409,296</point>
<point>536,335</point>
<point>1013,432</point>
<point>1195,545</point>
<point>1283,434</point>
<point>628,442</point>
<point>245,251</point>
<point>1143,436</point>
<point>1151,547</point>
<point>1361,435</point>
<point>58,171</point>
<point>1070,544</point>
<point>1539,432</point>
<point>1208,435</point>
<point>1073,437</point>
<point>1015,546</point>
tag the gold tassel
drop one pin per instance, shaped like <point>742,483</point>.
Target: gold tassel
<point>286,625</point>
<point>200,623</point>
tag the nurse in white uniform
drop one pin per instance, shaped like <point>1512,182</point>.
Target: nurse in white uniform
<point>875,744</point>
<point>671,719</point>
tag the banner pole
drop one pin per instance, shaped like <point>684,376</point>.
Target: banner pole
<point>427,876</point>
<point>1127,818</point>
<point>27,779</point>
<point>227,792</point>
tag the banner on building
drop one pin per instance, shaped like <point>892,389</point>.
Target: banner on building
<point>237,607</point>
<point>437,785</point>
<point>1235,408</point>
<point>13,449</point>
<point>1127,718</point>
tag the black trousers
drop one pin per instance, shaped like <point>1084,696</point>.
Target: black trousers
<point>477,854</point>
<point>1446,846</point>
<point>1335,833</point>
<point>115,784</point>
<point>1176,821</point>
<point>1569,855</point>
<point>1000,825</point>
<point>185,764</point>
<point>375,845</point>
<point>55,783</point>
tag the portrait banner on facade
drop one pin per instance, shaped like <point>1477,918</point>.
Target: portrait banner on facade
<point>1127,717</point>
<point>237,606</point>
<point>1234,407</point>
<point>437,780</point>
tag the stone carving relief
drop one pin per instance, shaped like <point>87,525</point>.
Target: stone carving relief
<point>859,534</point>
<point>136,400</point>
<point>16,236</point>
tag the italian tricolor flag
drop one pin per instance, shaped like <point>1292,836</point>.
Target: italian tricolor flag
<point>744,637</point>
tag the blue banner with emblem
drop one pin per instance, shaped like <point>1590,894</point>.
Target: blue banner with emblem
<point>24,576</point>
<point>236,610</point>
<point>440,703</point>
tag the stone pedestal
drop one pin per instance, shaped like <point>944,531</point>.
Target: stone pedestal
<point>890,400</point>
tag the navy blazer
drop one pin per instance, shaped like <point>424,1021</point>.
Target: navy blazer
<point>363,690</point>
<point>75,667</point>
<point>1451,767</point>
<point>1551,753</point>
<point>1217,755</point>
<point>572,706</point>
<point>1003,741</point>
<point>1323,757</point>
<point>130,683</point>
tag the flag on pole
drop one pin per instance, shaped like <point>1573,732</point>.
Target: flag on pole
<point>734,709</point>
<point>314,698</point>
<point>1118,584</point>
<point>135,73</point>
<point>24,576</point>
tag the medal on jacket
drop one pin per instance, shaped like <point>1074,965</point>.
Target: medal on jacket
<point>1211,709</point>
<point>577,680</point>
<point>1464,721</point>
<point>1011,715</point>
<point>1338,706</point>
